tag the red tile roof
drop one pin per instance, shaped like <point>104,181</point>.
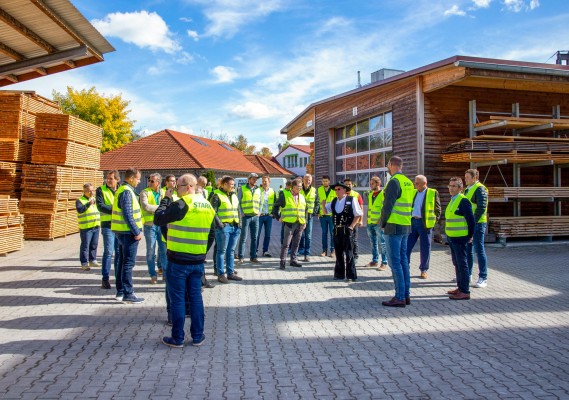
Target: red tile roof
<point>268,166</point>
<point>169,149</point>
<point>301,147</point>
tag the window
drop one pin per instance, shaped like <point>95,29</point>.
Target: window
<point>200,141</point>
<point>226,147</point>
<point>363,148</point>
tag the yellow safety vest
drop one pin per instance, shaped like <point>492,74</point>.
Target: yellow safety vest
<point>328,199</point>
<point>401,213</point>
<point>90,218</point>
<point>456,225</point>
<point>146,216</point>
<point>293,212</point>
<point>374,207</point>
<point>310,199</point>
<point>189,235</point>
<point>118,223</point>
<point>270,201</point>
<point>228,211</point>
<point>108,198</point>
<point>470,195</point>
<point>431,218</point>
<point>249,201</point>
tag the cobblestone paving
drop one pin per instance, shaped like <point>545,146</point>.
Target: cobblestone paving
<point>288,334</point>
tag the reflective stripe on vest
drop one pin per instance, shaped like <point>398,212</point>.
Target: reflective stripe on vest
<point>146,216</point>
<point>455,225</point>
<point>189,235</point>
<point>401,213</point>
<point>228,210</point>
<point>328,199</point>
<point>249,201</point>
<point>310,199</point>
<point>90,218</point>
<point>293,212</point>
<point>108,198</point>
<point>374,207</point>
<point>118,223</point>
<point>431,218</point>
<point>470,195</point>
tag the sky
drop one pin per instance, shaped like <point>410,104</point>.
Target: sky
<point>249,67</point>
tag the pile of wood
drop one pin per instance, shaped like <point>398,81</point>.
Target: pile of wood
<point>11,221</point>
<point>529,226</point>
<point>527,192</point>
<point>10,178</point>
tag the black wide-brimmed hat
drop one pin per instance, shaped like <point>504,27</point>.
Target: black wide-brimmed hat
<point>341,184</point>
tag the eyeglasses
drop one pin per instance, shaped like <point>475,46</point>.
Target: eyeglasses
<point>452,186</point>
<point>187,184</point>
<point>151,181</point>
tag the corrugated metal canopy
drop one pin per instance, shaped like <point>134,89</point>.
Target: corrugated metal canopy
<point>42,37</point>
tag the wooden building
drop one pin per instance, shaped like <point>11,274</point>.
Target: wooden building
<point>517,114</point>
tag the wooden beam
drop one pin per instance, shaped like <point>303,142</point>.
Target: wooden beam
<point>440,79</point>
<point>25,31</point>
<point>36,62</point>
<point>11,78</point>
<point>513,84</point>
<point>10,52</point>
<point>65,26</point>
<point>536,128</point>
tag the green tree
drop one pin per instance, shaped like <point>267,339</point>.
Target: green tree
<point>241,144</point>
<point>109,112</point>
<point>211,178</point>
<point>285,145</point>
<point>265,152</point>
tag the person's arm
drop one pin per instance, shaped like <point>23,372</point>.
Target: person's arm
<point>360,200</point>
<point>465,209</point>
<point>391,193</point>
<point>215,203</point>
<point>169,211</point>
<point>100,202</point>
<point>80,207</point>
<point>358,212</point>
<point>316,205</point>
<point>125,203</point>
<point>481,199</point>
<point>150,208</point>
<point>239,197</point>
<point>277,206</point>
<point>438,208</point>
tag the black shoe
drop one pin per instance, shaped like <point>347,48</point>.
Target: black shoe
<point>283,266</point>
<point>207,284</point>
<point>295,264</point>
<point>132,299</point>
<point>407,301</point>
<point>105,284</point>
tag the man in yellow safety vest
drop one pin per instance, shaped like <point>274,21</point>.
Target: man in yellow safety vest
<point>105,197</point>
<point>249,196</point>
<point>325,195</point>
<point>375,204</point>
<point>268,198</point>
<point>149,201</point>
<point>89,225</point>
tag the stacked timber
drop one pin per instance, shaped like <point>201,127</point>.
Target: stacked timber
<point>529,226</point>
<point>527,192</point>
<point>10,177</point>
<point>11,221</point>
<point>66,155</point>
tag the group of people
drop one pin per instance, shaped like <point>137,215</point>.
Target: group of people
<point>186,217</point>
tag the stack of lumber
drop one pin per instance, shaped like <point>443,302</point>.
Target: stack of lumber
<point>10,177</point>
<point>527,192</point>
<point>11,233</point>
<point>49,193</point>
<point>66,140</point>
<point>529,124</point>
<point>529,226</point>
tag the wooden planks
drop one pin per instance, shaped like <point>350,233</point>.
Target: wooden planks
<point>527,192</point>
<point>66,153</point>
<point>10,177</point>
<point>67,127</point>
<point>500,122</point>
<point>11,232</point>
<point>511,157</point>
<point>49,226</point>
<point>54,178</point>
<point>529,226</point>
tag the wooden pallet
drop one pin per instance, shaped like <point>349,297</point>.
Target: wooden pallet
<point>529,226</point>
<point>50,226</point>
<point>11,232</point>
<point>55,178</point>
<point>62,152</point>
<point>11,239</point>
<point>475,145</point>
<point>67,127</point>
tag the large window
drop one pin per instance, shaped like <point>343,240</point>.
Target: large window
<point>363,149</point>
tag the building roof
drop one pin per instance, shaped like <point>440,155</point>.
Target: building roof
<point>42,37</point>
<point>268,166</point>
<point>525,70</point>
<point>171,150</point>
<point>305,148</point>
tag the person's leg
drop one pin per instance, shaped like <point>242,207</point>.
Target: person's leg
<point>267,238</point>
<point>470,257</point>
<point>425,247</point>
<point>405,266</point>
<point>339,245</point>
<point>150,239</point>
<point>463,280</point>
<point>116,260</point>
<point>254,228</point>
<point>108,250</point>
<point>356,246</point>
<point>221,240</point>
<point>350,261</point>
<point>324,230</point>
<point>93,244</point>
<point>129,246</point>
<point>166,293</point>
<point>261,225</point>
<point>161,247</point>
<point>295,242</point>
<point>83,247</point>
<point>331,231</point>
<point>308,236</point>
<point>412,238</point>
<point>245,221</point>
<point>177,275</point>
<point>382,247</point>
<point>478,244</point>
<point>373,237</point>
<point>196,302</point>
<point>453,253</point>
<point>232,237</point>
<point>119,265</point>
<point>393,245</point>
<point>287,237</point>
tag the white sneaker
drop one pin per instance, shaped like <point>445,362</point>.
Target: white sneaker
<point>482,283</point>
<point>118,297</point>
<point>94,264</point>
<point>453,280</point>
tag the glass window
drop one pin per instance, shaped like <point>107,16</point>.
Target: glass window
<point>376,141</point>
<point>387,139</point>
<point>363,144</point>
<point>340,134</point>
<point>340,149</point>
<point>351,147</point>
<point>363,126</point>
<point>350,131</point>
<point>388,120</point>
<point>363,179</point>
<point>377,160</point>
<point>351,164</point>
<point>363,162</point>
<point>388,155</point>
<point>340,165</point>
<point>376,123</point>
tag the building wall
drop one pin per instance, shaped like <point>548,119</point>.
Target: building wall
<point>298,170</point>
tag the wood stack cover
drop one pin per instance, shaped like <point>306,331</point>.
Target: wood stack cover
<point>11,233</point>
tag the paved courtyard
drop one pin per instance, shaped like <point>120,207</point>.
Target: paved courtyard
<point>288,334</point>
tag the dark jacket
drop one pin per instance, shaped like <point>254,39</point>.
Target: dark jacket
<point>125,203</point>
<point>438,208</point>
<point>391,193</point>
<point>480,198</point>
<point>465,209</point>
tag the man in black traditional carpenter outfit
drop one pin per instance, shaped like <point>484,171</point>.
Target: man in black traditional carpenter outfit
<point>346,214</point>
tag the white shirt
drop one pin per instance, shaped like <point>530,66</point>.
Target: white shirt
<point>418,203</point>
<point>340,203</point>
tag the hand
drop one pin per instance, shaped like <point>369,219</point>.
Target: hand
<point>280,220</point>
<point>470,240</point>
<point>91,200</point>
<point>138,237</point>
<point>169,193</point>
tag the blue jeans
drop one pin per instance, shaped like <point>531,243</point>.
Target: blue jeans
<point>153,235</point>
<point>249,223</point>
<point>477,246</point>
<point>226,239</point>
<point>425,235</point>
<point>397,259</point>
<point>327,228</point>
<point>179,277</point>
<point>89,242</point>
<point>306,238</point>
<point>127,259</point>
<point>376,237</point>
<point>458,250</point>
<point>110,247</point>
<point>265,221</point>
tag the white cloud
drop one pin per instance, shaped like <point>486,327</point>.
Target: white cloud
<point>481,3</point>
<point>253,110</point>
<point>141,28</point>
<point>184,58</point>
<point>226,17</point>
<point>194,35</point>
<point>224,74</point>
<point>520,5</point>
<point>455,10</point>
<point>185,19</point>
<point>334,23</point>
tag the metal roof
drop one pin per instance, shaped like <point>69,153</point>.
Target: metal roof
<point>42,37</point>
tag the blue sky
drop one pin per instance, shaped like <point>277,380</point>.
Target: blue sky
<point>250,66</point>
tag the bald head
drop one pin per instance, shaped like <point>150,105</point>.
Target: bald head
<point>187,184</point>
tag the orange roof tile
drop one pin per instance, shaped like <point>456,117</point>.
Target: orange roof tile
<point>268,166</point>
<point>302,147</point>
<point>169,149</point>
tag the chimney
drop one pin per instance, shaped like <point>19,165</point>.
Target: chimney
<point>280,147</point>
<point>384,73</point>
<point>359,80</point>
